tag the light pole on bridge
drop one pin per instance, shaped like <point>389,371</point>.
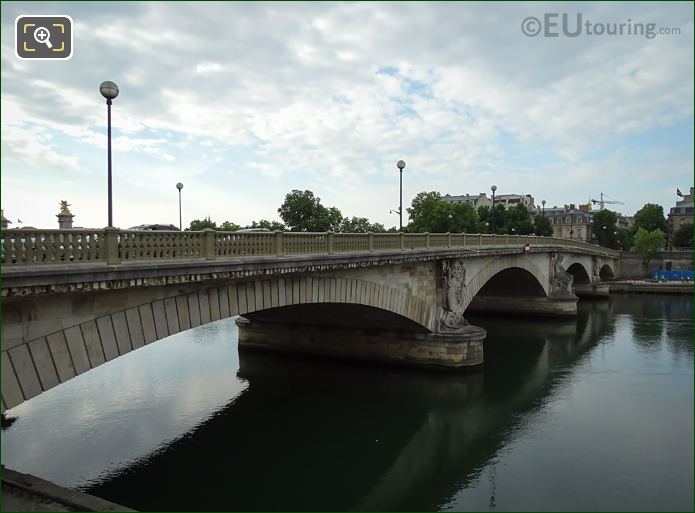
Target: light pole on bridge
<point>109,90</point>
<point>493,189</point>
<point>401,164</point>
<point>179,186</point>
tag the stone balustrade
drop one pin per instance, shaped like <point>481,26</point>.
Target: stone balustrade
<point>28,247</point>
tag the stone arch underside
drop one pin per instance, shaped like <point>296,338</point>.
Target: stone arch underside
<point>31,368</point>
<point>606,272</point>
<point>580,273</point>
<point>497,266</point>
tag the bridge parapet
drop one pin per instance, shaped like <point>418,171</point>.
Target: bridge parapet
<point>29,247</point>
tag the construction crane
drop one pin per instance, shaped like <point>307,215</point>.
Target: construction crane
<point>603,202</point>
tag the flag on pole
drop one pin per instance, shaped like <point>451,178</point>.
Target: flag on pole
<point>678,192</point>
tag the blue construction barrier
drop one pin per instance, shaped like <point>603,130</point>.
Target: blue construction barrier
<point>673,275</point>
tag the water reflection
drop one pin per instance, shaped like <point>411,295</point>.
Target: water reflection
<point>98,423</point>
<point>559,409</point>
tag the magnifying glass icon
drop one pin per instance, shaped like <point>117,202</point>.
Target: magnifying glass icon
<point>42,35</point>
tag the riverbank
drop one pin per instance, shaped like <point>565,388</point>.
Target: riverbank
<point>24,492</point>
<point>650,287</point>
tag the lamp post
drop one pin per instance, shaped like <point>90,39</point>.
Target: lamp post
<point>493,189</point>
<point>401,164</point>
<point>543,203</point>
<point>109,90</point>
<point>179,186</point>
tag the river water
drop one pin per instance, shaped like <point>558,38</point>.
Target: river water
<point>593,413</point>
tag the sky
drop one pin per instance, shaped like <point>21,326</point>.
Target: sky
<point>244,102</point>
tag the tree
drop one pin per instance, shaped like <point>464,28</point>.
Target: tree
<point>650,217</point>
<point>430,213</point>
<point>464,218</point>
<point>683,237</point>
<point>500,217</point>
<point>332,220</point>
<point>542,226</point>
<point>427,212</point>
<point>302,212</point>
<point>603,227</point>
<point>197,225</point>
<point>229,227</point>
<point>360,225</point>
<point>268,225</point>
<point>648,243</point>
<point>626,238</point>
<point>518,220</point>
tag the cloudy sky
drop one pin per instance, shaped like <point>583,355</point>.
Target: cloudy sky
<point>243,102</point>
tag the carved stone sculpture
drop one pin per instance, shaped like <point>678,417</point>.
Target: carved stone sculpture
<point>560,279</point>
<point>596,273</point>
<point>453,289</point>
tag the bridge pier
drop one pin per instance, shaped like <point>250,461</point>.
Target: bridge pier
<point>441,351</point>
<point>591,289</point>
<point>539,306</point>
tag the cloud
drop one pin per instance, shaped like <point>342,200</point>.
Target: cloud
<point>337,92</point>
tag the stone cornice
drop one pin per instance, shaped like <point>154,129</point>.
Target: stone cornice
<point>50,279</point>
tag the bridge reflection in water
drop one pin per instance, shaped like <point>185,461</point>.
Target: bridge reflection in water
<point>303,434</point>
<point>327,435</point>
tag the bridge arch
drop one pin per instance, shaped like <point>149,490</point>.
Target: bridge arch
<point>580,273</point>
<point>502,264</point>
<point>40,364</point>
<point>606,272</point>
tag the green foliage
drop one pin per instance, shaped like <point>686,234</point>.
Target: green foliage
<point>430,213</point>
<point>499,216</point>
<point>197,225</point>
<point>648,243</point>
<point>683,237</point>
<point>333,219</point>
<point>650,217</point>
<point>626,238</point>
<point>603,227</point>
<point>268,225</point>
<point>484,213</point>
<point>542,226</point>
<point>518,220</point>
<point>302,212</point>
<point>229,227</point>
<point>465,219</point>
<point>360,225</point>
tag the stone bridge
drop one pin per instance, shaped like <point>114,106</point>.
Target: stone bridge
<point>73,300</point>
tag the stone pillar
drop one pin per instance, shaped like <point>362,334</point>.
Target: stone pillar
<point>591,289</point>
<point>111,240</point>
<point>437,351</point>
<point>535,306</point>
<point>209,244</point>
<point>65,220</point>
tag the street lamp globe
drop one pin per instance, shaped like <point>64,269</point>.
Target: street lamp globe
<point>179,186</point>
<point>493,188</point>
<point>400,164</point>
<point>108,90</point>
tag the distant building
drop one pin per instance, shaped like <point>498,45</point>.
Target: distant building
<point>570,222</point>
<point>507,200</point>
<point>679,215</point>
<point>481,200</point>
